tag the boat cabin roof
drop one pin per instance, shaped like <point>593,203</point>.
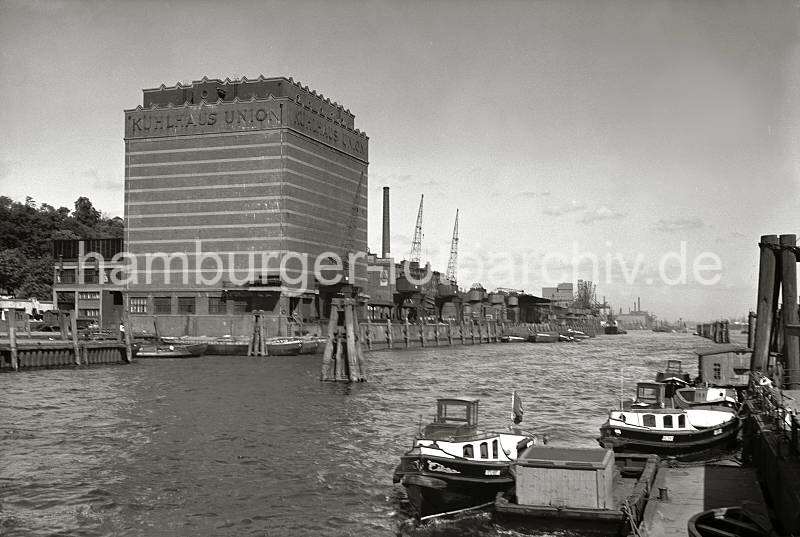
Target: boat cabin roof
<point>722,349</point>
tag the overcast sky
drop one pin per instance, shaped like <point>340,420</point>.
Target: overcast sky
<point>616,129</point>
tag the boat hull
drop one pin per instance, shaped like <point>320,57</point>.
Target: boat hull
<point>437,484</point>
<point>544,338</point>
<point>178,351</point>
<point>284,348</point>
<point>610,521</point>
<point>684,444</point>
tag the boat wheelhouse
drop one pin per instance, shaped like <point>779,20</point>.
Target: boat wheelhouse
<point>674,373</point>
<point>454,465</point>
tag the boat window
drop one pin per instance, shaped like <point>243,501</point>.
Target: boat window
<point>681,421</point>
<point>649,420</point>
<point>494,449</point>
<point>468,451</point>
<point>668,422</point>
<point>484,450</point>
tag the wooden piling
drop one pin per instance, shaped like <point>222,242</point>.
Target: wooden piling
<point>436,333</point>
<point>389,333</point>
<point>349,328</point>
<point>330,345</point>
<point>11,318</point>
<point>62,325</point>
<point>751,329</point>
<point>126,325</point>
<point>789,308</point>
<point>405,332</point>
<point>450,333</point>
<point>339,360</point>
<point>73,323</point>
<point>366,332</point>
<point>765,311</point>
<point>421,327</point>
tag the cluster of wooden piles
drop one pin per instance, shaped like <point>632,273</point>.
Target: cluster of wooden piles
<point>343,357</point>
<point>718,331</point>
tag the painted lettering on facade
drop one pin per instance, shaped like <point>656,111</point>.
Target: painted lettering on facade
<point>200,120</point>
<point>328,132</point>
<point>244,116</point>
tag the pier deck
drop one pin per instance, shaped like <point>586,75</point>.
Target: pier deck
<point>698,488</point>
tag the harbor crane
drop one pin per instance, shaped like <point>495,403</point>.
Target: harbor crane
<point>416,244</point>
<point>452,263</point>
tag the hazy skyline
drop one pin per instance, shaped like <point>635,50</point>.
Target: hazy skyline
<point>610,128</point>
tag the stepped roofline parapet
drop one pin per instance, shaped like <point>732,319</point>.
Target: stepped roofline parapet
<point>214,89</point>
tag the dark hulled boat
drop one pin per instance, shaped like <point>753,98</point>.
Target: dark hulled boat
<point>613,330</point>
<point>168,350</point>
<point>650,426</point>
<point>452,465</point>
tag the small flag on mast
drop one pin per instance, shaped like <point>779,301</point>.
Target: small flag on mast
<point>516,407</point>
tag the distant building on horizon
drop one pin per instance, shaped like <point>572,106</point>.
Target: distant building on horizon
<point>563,295</point>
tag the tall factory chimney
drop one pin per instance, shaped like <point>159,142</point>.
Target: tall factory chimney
<point>385,242</point>
<point>638,303</point>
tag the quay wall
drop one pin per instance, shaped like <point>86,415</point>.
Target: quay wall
<point>397,335</point>
<point>31,354</point>
<point>372,333</point>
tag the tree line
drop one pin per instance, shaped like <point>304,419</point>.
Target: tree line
<point>26,235</point>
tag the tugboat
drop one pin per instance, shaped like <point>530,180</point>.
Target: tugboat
<point>452,465</point>
<point>648,425</point>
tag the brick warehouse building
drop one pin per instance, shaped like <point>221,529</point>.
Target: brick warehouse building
<point>237,169</point>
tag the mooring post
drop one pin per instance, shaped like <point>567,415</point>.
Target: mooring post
<point>789,308</point>
<point>73,324</point>
<point>450,333</point>
<point>389,333</point>
<point>350,334</point>
<point>461,332</point>
<point>751,328</point>
<point>330,344</point>
<point>436,333</point>
<point>12,336</point>
<point>472,331</point>
<point>126,327</point>
<point>406,335</point>
<point>766,296</point>
<point>421,328</point>
<point>366,329</point>
<point>339,364</point>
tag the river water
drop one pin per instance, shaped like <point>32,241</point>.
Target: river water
<point>235,446</point>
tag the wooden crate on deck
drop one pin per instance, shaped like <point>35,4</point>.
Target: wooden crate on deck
<point>565,477</point>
